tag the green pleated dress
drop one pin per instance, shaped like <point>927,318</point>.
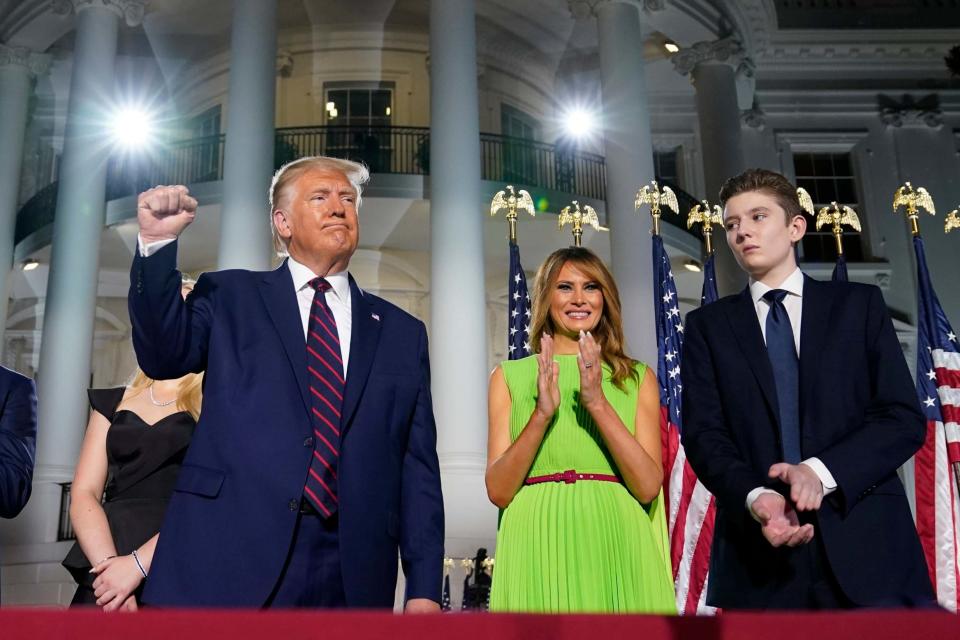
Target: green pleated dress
<point>589,546</point>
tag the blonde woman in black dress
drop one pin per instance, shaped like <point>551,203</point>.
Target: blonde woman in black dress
<point>135,441</point>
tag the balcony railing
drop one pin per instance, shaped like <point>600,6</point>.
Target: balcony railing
<point>398,150</point>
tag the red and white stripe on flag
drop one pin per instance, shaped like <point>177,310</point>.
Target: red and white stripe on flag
<point>690,515</point>
<point>937,499</point>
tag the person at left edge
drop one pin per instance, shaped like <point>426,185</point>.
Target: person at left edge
<point>18,440</point>
<point>314,459</point>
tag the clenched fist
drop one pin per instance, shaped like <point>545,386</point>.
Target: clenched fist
<point>164,212</point>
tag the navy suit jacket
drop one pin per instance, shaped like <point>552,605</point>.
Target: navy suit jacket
<point>18,440</point>
<point>858,413</point>
<point>230,522</point>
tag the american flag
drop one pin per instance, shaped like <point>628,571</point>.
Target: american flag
<point>840,270</point>
<point>709,292</point>
<point>445,600</point>
<point>936,464</point>
<point>518,340</point>
<point>690,507</point>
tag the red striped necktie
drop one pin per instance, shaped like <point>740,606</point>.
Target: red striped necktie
<point>326,382</point>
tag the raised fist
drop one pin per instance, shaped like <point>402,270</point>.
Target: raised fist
<point>164,212</point>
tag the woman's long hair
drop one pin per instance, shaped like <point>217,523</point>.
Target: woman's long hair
<point>190,389</point>
<point>609,331</point>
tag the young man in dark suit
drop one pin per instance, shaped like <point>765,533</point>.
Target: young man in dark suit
<point>798,410</point>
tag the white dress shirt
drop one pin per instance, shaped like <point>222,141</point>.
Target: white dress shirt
<point>793,303</point>
<point>338,296</point>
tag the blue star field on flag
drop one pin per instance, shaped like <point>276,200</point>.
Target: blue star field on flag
<point>445,600</point>
<point>518,320</point>
<point>840,270</point>
<point>709,292</point>
<point>936,342</point>
<point>669,331</point>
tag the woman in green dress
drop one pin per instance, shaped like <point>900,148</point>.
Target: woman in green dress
<point>574,457</point>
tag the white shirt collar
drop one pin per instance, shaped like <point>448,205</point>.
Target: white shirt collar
<point>302,275</point>
<point>792,285</point>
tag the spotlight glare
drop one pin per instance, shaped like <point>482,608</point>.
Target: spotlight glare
<point>671,47</point>
<point>692,265</point>
<point>579,123</point>
<point>29,264</point>
<point>132,128</point>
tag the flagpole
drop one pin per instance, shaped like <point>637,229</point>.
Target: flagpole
<point>577,215</point>
<point>707,216</point>
<point>952,221</point>
<point>655,196</point>
<point>511,201</point>
<point>913,200</point>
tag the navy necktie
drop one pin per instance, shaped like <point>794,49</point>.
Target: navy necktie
<point>325,369</point>
<point>786,373</point>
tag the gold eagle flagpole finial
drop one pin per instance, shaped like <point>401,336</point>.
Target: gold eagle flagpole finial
<point>511,202</point>
<point>656,197</point>
<point>707,216</point>
<point>952,221</point>
<point>913,199</point>
<point>806,202</point>
<point>578,215</point>
<point>838,215</point>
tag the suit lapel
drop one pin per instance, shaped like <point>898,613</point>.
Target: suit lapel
<point>743,320</point>
<point>276,289</point>
<point>814,322</point>
<point>364,338</point>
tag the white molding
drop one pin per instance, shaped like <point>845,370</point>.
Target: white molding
<point>847,53</point>
<point>820,140</point>
<point>131,11</point>
<point>36,64</point>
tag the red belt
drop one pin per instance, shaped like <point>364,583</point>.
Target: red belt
<point>570,477</point>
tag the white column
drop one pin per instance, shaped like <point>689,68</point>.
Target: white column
<point>71,297</point>
<point>628,146</point>
<point>18,66</point>
<point>458,336</point>
<point>713,69</point>
<point>248,162</point>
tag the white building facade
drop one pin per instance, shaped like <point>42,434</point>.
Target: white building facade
<point>447,102</point>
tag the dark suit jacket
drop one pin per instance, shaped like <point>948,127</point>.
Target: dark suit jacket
<point>18,440</point>
<point>231,518</point>
<point>859,414</point>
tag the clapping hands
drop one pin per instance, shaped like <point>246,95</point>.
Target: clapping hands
<point>779,522</point>
<point>590,362</point>
<point>548,391</point>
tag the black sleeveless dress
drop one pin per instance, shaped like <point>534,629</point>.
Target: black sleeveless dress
<point>143,464</point>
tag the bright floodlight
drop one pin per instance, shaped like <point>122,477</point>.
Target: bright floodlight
<point>132,128</point>
<point>579,123</point>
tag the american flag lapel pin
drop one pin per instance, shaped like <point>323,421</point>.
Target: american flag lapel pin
<point>375,317</point>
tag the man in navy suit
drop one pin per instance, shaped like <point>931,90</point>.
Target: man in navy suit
<point>314,459</point>
<point>798,410</point>
<point>18,440</point>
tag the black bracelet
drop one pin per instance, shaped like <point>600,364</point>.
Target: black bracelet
<point>139,566</point>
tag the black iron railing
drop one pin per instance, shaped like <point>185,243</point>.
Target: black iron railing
<point>65,526</point>
<point>399,150</point>
<point>403,150</point>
